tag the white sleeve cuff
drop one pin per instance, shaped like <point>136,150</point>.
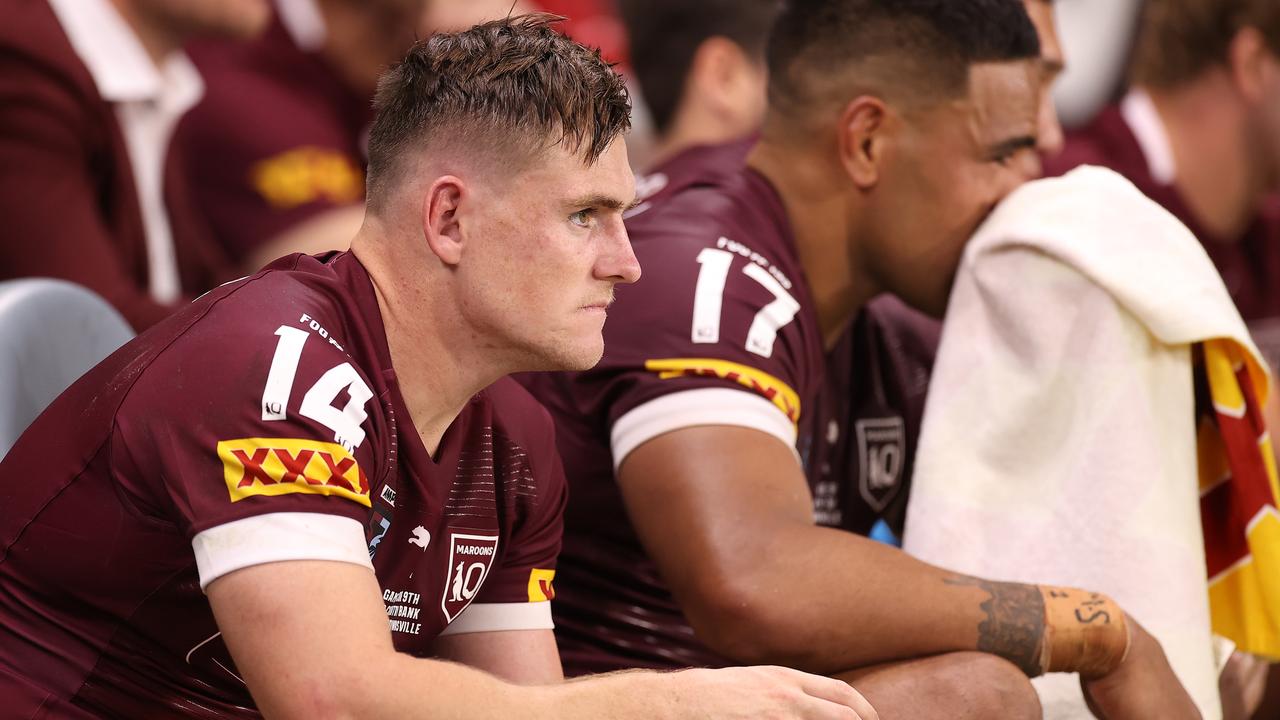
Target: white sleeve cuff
<point>493,617</point>
<point>276,537</point>
<point>691,408</point>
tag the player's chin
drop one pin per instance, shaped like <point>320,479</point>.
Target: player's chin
<point>576,352</point>
<point>583,354</point>
<point>588,355</point>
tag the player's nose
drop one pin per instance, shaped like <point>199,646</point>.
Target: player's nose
<point>1049,136</point>
<point>617,261</point>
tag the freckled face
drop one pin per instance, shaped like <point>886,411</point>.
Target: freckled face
<point>543,255</point>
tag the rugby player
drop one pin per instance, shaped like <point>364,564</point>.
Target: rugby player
<point>892,129</point>
<point>700,68</point>
<point>1199,133</point>
<point>326,449</point>
<point>885,359</point>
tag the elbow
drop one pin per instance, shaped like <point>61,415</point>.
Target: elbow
<point>751,621</point>
<point>314,697</point>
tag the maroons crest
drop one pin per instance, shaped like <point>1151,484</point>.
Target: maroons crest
<point>470,558</point>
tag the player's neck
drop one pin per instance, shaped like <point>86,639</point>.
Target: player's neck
<point>687,132</point>
<point>820,221</point>
<point>1215,172</point>
<point>436,368</point>
<point>155,36</point>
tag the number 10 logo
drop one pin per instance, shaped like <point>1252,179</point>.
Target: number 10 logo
<point>470,558</point>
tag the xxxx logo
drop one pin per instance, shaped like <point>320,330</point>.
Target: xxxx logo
<point>281,466</point>
<point>773,389</point>
<point>540,588</point>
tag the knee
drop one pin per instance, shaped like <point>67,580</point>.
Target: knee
<point>996,687</point>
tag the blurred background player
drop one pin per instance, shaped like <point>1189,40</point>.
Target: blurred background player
<point>90,189</point>
<point>1199,132</point>
<point>700,69</point>
<point>278,145</point>
<point>288,444</point>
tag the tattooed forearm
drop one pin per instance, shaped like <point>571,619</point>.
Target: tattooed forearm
<point>1014,626</point>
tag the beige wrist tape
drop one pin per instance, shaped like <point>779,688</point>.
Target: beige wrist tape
<point>1084,632</point>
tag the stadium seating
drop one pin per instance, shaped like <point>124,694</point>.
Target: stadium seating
<point>51,332</point>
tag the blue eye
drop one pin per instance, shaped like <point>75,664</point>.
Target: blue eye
<point>582,218</point>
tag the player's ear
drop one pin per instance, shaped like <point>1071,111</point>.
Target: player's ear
<point>1247,56</point>
<point>441,226</point>
<point>862,137</point>
<point>717,76</point>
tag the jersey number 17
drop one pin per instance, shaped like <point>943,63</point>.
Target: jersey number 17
<point>708,299</point>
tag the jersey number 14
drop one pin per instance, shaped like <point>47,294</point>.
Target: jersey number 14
<point>317,404</point>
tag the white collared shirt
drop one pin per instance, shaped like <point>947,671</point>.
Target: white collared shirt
<point>148,101</point>
<point>1140,114</point>
<point>304,22</point>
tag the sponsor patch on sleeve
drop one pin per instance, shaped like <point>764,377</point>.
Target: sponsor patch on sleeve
<point>773,389</point>
<point>307,174</point>
<point>281,466</point>
<point>540,589</point>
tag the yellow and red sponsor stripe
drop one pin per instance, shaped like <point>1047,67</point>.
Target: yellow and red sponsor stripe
<point>308,174</point>
<point>1238,501</point>
<point>771,388</point>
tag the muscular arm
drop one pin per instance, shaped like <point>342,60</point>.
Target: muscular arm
<point>524,657</point>
<point>311,640</point>
<point>726,514</point>
<point>271,635</point>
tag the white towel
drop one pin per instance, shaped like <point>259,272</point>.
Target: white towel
<point>1058,443</point>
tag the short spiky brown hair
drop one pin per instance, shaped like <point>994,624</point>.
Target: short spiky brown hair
<point>515,85</point>
<point>1179,39</point>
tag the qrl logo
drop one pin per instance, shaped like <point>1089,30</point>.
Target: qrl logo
<point>881,449</point>
<point>470,557</point>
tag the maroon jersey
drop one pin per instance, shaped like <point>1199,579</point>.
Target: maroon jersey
<point>697,165</point>
<point>1249,265</point>
<point>721,330</point>
<point>277,139</point>
<point>262,423</point>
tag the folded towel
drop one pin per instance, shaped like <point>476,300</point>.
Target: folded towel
<point>1059,443</point>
